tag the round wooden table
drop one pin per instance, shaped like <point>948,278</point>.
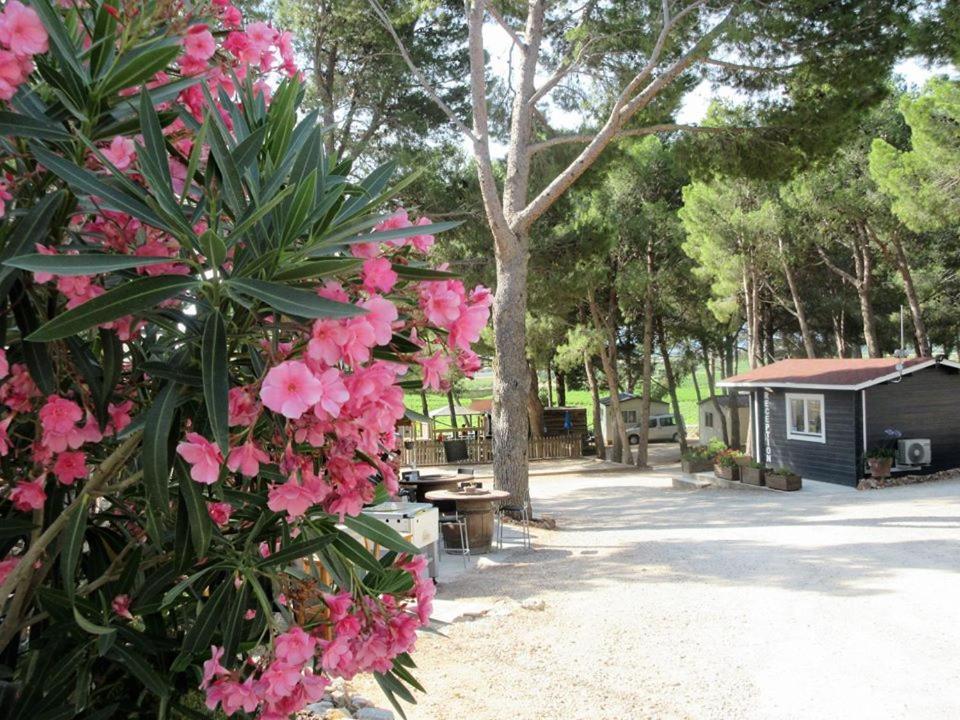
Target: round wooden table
<point>477,509</point>
<point>426,483</point>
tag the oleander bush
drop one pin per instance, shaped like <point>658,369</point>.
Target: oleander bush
<point>207,324</point>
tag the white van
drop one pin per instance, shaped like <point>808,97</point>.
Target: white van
<point>662,427</point>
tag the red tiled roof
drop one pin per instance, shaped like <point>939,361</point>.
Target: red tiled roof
<point>826,372</point>
<point>484,405</point>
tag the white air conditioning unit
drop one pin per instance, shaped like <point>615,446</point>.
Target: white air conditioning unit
<point>913,452</point>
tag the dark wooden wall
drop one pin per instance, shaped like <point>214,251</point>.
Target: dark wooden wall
<point>553,421</point>
<point>834,461</point>
<point>925,404</point>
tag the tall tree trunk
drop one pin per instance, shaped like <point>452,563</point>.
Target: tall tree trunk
<point>863,262</point>
<point>712,386</point>
<point>511,378</point>
<point>769,331</point>
<point>615,428</point>
<point>591,373</point>
<point>534,405</point>
<point>799,307</point>
<point>672,386</point>
<point>696,384</point>
<point>644,447</point>
<point>919,326</point>
<point>549,385</point>
<point>736,438</point>
<point>561,388</point>
<point>453,410</point>
<point>839,335</point>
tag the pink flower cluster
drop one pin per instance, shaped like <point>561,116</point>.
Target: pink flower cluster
<point>366,635</point>
<point>280,685</point>
<point>22,36</point>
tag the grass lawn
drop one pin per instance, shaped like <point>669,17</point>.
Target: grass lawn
<point>481,388</point>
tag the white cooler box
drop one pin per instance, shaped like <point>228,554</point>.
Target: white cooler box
<point>418,521</point>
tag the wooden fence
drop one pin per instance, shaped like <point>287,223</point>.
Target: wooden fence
<point>480,451</point>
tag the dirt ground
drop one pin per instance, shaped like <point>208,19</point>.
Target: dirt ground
<point>663,603</point>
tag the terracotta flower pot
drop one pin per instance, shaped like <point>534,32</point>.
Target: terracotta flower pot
<point>880,467</point>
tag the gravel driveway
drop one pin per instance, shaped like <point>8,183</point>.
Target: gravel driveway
<point>663,603</point>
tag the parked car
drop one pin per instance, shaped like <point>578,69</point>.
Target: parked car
<point>662,427</point>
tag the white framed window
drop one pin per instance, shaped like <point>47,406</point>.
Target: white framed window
<point>805,415</point>
<point>708,419</point>
<point>629,416</point>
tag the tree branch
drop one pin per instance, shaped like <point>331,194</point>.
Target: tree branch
<point>842,273</point>
<point>481,133</point>
<point>738,67</point>
<point>501,21</point>
<point>425,84</point>
<point>636,132</point>
<point>623,110</point>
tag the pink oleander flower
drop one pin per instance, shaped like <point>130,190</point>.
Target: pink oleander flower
<point>261,36</point>
<point>29,494</point>
<point>6,567</point>
<point>4,365</point>
<point>294,647</point>
<point>121,606</point>
<point>58,420</point>
<point>21,29</point>
<point>278,681</point>
<point>232,696</point>
<point>5,195</point>
<point>333,394</point>
<point>198,44</point>
<point>326,339</point>
<point>204,457</point>
<point>441,301</point>
<point>70,466</point>
<point>5,435</point>
<point>121,152</point>
<point>212,667</point>
<point>295,498</point>
<point>242,409</point>
<point>120,415</point>
<point>246,459</point>
<point>378,275</point>
<point>220,512</point>
<point>381,314</point>
<point>421,243</point>
<point>290,389</point>
<point>435,369</point>
<point>468,362</point>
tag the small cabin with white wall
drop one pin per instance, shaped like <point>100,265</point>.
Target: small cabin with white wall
<point>710,424</point>
<point>820,417</point>
<point>631,407</point>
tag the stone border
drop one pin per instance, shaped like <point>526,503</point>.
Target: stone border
<point>888,482</point>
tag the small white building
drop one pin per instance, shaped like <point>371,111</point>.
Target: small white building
<point>711,426</point>
<point>631,408</point>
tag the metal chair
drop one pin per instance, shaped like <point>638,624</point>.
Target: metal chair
<point>455,518</point>
<point>520,509</point>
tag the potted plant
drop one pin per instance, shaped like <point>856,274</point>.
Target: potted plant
<point>880,460</point>
<point>782,479</point>
<point>752,473</point>
<point>697,459</point>
<point>725,465</point>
